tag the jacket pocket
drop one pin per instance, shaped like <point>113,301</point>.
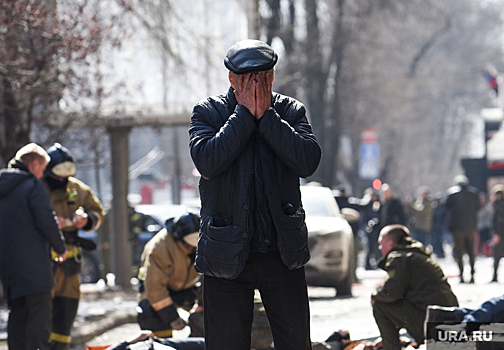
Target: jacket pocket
<point>293,239</point>
<point>222,249</point>
<point>292,230</point>
<point>220,227</point>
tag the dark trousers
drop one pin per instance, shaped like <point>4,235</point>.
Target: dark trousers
<point>64,312</point>
<point>497,253</point>
<point>29,324</point>
<point>229,305</point>
<point>463,242</point>
<point>437,242</point>
<point>391,317</point>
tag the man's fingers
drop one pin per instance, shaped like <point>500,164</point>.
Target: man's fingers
<point>241,82</point>
<point>250,85</point>
<point>263,93</point>
<point>244,81</point>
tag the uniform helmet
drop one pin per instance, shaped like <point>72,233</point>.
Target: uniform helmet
<point>460,180</point>
<point>62,162</point>
<point>498,189</point>
<point>185,228</point>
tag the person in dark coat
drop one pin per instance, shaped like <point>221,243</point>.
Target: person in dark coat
<point>28,231</point>
<point>370,221</point>
<point>438,226</point>
<point>391,209</point>
<point>498,228</point>
<point>354,206</point>
<point>251,146</point>
<point>462,206</point>
<point>414,281</point>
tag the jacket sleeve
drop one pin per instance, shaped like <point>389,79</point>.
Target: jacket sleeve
<point>394,287</point>
<point>93,208</point>
<point>157,277</point>
<point>45,218</point>
<point>295,145</point>
<point>213,150</point>
<point>448,204</point>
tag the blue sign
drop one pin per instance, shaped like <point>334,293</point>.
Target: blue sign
<point>369,167</point>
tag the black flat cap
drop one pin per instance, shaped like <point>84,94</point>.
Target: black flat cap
<point>250,55</point>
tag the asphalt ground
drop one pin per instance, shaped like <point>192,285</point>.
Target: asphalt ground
<point>107,314</point>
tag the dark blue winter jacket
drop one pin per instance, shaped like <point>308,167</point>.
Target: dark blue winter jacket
<point>227,144</point>
<point>462,206</point>
<point>28,229</point>
<point>490,311</point>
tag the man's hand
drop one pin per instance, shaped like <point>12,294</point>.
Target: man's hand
<point>245,91</point>
<point>62,222</point>
<point>496,239</point>
<point>263,92</point>
<point>253,90</point>
<point>178,324</point>
<point>144,335</point>
<point>80,221</point>
<point>196,308</point>
<point>61,258</point>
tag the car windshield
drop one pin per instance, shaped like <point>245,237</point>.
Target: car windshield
<point>317,202</point>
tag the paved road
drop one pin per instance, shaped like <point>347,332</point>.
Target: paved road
<point>330,313</point>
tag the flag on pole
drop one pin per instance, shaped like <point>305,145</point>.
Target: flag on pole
<point>491,77</point>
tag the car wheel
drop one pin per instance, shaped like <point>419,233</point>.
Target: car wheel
<point>90,272</point>
<point>344,288</point>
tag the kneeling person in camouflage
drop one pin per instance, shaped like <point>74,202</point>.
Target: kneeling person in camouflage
<point>414,281</point>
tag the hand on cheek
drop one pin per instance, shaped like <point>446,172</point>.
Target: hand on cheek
<point>245,91</point>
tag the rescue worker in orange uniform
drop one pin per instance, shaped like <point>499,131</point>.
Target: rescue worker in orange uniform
<point>167,277</point>
<point>76,208</point>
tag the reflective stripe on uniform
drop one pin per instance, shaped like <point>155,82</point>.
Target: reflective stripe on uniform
<point>162,304</point>
<point>71,253</point>
<point>60,338</point>
<point>163,334</point>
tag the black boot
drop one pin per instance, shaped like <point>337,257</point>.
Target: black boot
<point>494,279</point>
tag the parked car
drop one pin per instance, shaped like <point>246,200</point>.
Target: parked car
<point>155,216</point>
<point>330,239</point>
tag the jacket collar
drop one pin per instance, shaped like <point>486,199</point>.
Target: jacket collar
<point>406,244</point>
<point>17,164</point>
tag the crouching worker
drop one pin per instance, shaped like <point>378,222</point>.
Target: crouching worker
<point>414,281</point>
<point>167,277</point>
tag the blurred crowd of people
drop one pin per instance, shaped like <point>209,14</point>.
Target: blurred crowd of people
<point>462,218</point>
